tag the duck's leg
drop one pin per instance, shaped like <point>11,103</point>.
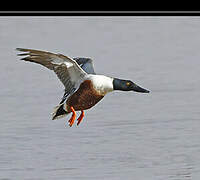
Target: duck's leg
<point>72,119</point>
<point>80,117</point>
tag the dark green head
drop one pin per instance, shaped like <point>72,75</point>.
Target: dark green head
<point>127,85</point>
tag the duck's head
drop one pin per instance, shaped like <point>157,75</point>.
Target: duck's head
<point>127,85</point>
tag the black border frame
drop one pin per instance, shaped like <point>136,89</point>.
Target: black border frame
<point>99,13</point>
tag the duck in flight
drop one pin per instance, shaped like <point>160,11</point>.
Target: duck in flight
<point>83,87</point>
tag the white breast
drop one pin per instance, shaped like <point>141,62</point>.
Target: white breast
<point>101,83</point>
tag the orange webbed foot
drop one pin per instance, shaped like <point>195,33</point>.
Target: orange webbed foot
<point>72,119</point>
<point>80,117</point>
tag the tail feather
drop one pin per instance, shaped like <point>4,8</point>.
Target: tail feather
<point>59,112</point>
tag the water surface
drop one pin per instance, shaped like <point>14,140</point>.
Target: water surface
<point>127,135</point>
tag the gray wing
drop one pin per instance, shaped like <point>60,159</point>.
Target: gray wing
<point>67,69</point>
<point>86,64</point>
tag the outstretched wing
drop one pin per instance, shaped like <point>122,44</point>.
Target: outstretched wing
<point>86,64</point>
<point>67,69</point>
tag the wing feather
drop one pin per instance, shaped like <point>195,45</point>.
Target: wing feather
<point>86,64</point>
<point>67,69</point>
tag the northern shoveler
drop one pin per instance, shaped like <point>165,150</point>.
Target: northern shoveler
<point>83,87</point>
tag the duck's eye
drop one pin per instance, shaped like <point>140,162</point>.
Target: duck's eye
<point>128,83</point>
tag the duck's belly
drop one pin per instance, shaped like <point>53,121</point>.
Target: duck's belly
<point>84,98</point>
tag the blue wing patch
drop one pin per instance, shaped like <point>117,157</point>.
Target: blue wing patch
<point>86,64</point>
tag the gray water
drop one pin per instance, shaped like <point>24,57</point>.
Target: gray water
<point>127,135</point>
